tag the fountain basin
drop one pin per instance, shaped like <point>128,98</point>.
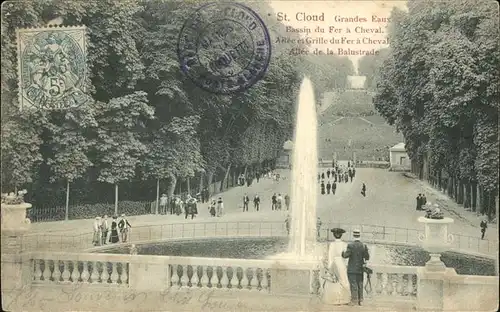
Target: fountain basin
<point>273,247</point>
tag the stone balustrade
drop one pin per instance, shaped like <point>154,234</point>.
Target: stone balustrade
<point>268,278</point>
<point>391,281</point>
<point>136,271</point>
<point>235,274</point>
<point>65,268</point>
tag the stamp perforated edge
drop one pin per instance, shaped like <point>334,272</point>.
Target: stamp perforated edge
<point>47,28</point>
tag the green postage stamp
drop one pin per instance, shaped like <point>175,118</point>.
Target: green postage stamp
<point>52,67</point>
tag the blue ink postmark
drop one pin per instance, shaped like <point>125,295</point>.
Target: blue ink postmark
<point>224,48</point>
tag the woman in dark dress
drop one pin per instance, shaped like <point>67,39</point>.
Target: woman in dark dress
<point>113,238</point>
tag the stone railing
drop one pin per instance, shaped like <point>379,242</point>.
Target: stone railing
<point>66,268</point>
<point>391,281</point>
<point>162,272</point>
<point>269,278</point>
<point>235,274</point>
<point>388,282</point>
<point>371,234</point>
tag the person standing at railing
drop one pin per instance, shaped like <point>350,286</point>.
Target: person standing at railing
<point>256,202</point>
<point>212,208</point>
<point>484,226</point>
<point>357,252</point>
<point>279,201</point>
<point>246,200</point>
<point>220,207</point>
<point>273,202</point>
<point>163,204</point>
<point>96,239</point>
<point>287,202</point>
<point>104,229</point>
<point>113,238</point>
<point>124,227</point>
<point>288,220</point>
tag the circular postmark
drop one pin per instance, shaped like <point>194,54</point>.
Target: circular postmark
<point>224,48</point>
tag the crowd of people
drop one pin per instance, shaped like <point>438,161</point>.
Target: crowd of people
<point>115,232</point>
<point>338,174</point>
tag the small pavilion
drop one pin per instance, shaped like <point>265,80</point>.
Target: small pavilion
<point>399,158</point>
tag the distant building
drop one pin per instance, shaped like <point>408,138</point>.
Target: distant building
<point>356,82</point>
<point>399,158</point>
<point>285,157</point>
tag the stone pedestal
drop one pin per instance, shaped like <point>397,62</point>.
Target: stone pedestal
<point>431,288</point>
<point>15,267</point>
<point>294,277</point>
<point>435,240</point>
<point>14,218</point>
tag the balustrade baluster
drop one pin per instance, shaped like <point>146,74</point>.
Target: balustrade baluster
<point>254,282</point>
<point>184,276</point>
<point>105,273</point>
<point>175,276</point>
<point>66,274</point>
<point>94,276</point>
<point>264,283</point>
<point>114,274</point>
<point>85,272</point>
<point>75,274</point>
<point>195,279</point>
<point>380,283</point>
<point>47,273</point>
<point>124,275</point>
<point>412,285</point>
<point>244,279</point>
<point>224,281</point>
<point>56,275</point>
<point>389,285</point>
<point>215,280</point>
<point>205,281</point>
<point>235,282</point>
<point>38,270</point>
<point>399,284</point>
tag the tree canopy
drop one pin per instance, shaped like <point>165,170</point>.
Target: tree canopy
<point>145,119</point>
<point>439,86</point>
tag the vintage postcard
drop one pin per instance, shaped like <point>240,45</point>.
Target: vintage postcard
<point>163,155</point>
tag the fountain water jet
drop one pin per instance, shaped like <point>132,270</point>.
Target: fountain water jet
<point>304,173</point>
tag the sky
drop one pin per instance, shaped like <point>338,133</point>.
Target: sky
<point>343,9</point>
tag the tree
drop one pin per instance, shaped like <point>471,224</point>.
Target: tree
<point>20,150</point>
<point>70,145</point>
<point>441,97</point>
<point>368,65</point>
<point>174,151</point>
<point>119,137</point>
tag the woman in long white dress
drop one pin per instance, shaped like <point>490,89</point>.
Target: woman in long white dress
<point>336,287</point>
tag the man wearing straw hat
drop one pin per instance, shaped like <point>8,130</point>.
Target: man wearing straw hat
<point>357,252</point>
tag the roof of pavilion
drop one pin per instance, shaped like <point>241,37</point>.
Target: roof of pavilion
<point>400,147</point>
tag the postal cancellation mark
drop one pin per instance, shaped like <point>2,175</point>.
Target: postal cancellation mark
<point>224,48</point>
